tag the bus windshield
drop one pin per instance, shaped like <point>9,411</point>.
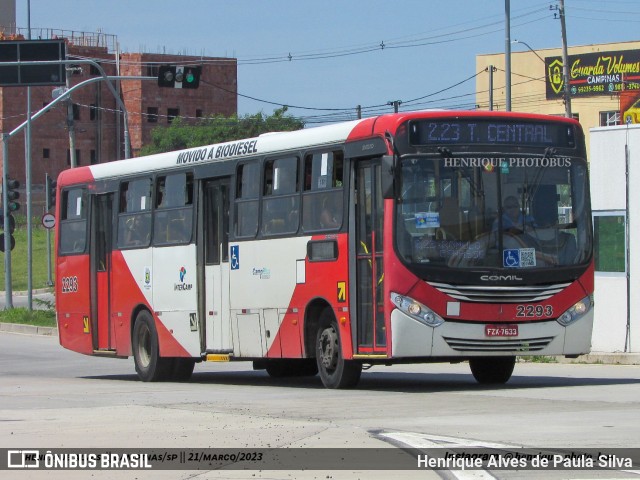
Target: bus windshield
<point>498,212</point>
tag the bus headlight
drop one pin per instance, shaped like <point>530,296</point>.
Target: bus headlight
<point>576,312</point>
<point>416,310</point>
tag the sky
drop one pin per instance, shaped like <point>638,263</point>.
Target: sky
<point>323,58</point>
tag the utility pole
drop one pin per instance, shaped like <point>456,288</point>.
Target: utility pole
<point>491,70</point>
<point>507,53</point>
<point>71,125</point>
<point>565,63</point>
<point>396,105</point>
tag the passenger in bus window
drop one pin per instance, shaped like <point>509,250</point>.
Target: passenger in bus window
<point>329,213</point>
<point>513,219</point>
<point>137,230</point>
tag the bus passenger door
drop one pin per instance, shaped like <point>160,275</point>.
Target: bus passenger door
<point>100,252</point>
<point>215,229</point>
<point>371,333</point>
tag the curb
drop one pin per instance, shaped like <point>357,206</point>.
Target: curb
<point>605,358</point>
<point>28,329</point>
<point>24,293</point>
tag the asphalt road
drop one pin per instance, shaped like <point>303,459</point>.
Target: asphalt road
<point>39,300</point>
<point>53,398</point>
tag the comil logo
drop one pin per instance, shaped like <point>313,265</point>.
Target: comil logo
<point>23,459</point>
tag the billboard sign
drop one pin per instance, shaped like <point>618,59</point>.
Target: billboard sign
<point>592,74</point>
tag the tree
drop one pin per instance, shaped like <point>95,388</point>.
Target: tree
<point>217,129</point>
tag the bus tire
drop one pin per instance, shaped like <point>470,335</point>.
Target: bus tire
<point>492,370</point>
<point>150,366</point>
<point>335,371</point>
<point>182,369</point>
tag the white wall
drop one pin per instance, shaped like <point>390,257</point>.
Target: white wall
<point>608,187</point>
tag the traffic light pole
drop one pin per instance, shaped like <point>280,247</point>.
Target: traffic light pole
<point>8,290</point>
<point>19,128</point>
<point>47,189</point>
<point>103,77</point>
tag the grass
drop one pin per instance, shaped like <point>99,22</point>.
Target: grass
<point>19,256</point>
<point>43,317</point>
<point>540,359</point>
<point>40,318</point>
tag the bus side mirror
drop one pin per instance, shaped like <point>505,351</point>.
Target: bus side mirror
<point>388,180</point>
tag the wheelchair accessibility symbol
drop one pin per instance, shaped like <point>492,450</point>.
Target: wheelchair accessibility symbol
<point>235,257</point>
<point>511,257</point>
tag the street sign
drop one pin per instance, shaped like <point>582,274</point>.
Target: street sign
<point>32,51</point>
<point>48,220</point>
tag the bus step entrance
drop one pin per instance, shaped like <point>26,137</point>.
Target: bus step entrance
<point>105,353</point>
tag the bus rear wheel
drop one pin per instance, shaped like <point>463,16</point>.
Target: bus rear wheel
<point>335,371</point>
<point>492,370</point>
<point>150,366</point>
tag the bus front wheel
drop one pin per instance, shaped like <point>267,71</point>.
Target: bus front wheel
<point>150,366</point>
<point>335,371</point>
<point>492,370</point>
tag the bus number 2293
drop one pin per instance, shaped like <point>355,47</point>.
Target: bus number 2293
<point>69,284</point>
<point>530,311</point>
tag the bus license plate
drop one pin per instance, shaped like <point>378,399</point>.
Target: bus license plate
<point>501,330</point>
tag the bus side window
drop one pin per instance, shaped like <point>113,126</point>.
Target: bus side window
<point>247,189</point>
<point>281,200</point>
<point>73,224</point>
<point>173,217</point>
<point>134,216</point>
<point>322,199</point>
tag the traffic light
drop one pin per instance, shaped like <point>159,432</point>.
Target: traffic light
<point>171,76</point>
<point>50,188</point>
<point>12,222</point>
<point>13,195</point>
<point>12,244</point>
<point>12,227</point>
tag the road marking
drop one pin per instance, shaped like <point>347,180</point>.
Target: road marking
<point>422,440</point>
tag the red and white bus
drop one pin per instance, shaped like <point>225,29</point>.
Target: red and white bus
<point>411,237</point>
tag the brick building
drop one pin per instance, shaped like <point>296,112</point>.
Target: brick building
<point>98,126</point>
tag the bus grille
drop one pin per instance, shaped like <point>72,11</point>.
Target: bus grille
<point>509,345</point>
<point>501,294</point>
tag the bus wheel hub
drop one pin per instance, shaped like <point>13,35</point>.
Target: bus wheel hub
<point>329,348</point>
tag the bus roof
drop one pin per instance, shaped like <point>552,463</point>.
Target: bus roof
<point>271,143</point>
<point>262,145</point>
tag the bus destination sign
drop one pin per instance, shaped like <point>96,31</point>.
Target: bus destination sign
<point>490,132</point>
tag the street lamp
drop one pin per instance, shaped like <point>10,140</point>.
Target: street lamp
<point>567,96</point>
<point>529,47</point>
